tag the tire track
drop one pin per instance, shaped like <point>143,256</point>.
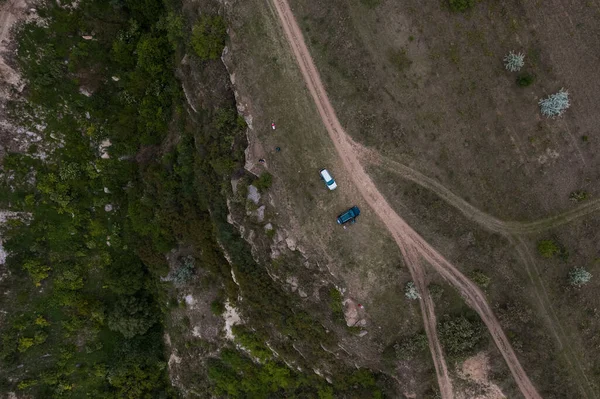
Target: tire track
<point>471,212</point>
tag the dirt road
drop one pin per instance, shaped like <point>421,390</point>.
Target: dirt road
<point>410,243</point>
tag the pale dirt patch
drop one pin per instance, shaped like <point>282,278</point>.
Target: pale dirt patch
<point>103,148</point>
<point>190,301</point>
<point>232,318</point>
<point>476,369</point>
<point>351,312</point>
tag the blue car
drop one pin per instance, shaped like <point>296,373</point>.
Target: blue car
<point>349,216</point>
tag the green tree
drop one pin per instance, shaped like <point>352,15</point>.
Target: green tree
<point>138,380</point>
<point>208,37</point>
<point>37,271</point>
<point>132,316</point>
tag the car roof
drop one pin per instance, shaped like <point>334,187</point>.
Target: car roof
<point>325,174</point>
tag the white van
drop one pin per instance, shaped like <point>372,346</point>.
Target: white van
<point>328,179</point>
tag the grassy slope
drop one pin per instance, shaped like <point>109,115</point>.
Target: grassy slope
<point>362,257</point>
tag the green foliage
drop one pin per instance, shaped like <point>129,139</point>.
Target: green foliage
<point>399,59</point>
<point>336,305</point>
<point>174,26</point>
<point>480,278</point>
<point>461,5</point>
<point>217,307</point>
<point>579,196</point>
<point>37,271</point>
<point>91,286</point>
<point>408,347</point>
<point>234,375</point>
<point>525,80</point>
<point>460,336</point>
<point>370,3</point>
<point>25,343</point>
<point>132,316</point>
<point>250,342</point>
<point>137,380</point>
<point>548,248</point>
<point>208,37</point>
<point>264,181</point>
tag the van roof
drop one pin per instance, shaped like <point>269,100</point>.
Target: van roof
<point>325,174</point>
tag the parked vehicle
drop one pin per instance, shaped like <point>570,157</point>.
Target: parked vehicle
<point>326,176</point>
<point>349,216</point>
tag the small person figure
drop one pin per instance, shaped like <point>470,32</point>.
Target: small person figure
<point>273,125</point>
<point>361,306</point>
<point>277,149</point>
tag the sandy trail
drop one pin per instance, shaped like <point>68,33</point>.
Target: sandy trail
<point>410,243</point>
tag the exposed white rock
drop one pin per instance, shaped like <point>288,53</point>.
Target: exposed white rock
<point>253,194</point>
<point>260,213</point>
<point>232,318</point>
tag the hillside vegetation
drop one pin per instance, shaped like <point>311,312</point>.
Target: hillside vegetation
<point>123,174</point>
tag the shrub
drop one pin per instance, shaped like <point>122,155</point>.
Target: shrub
<point>37,271</point>
<point>578,196</point>
<point>555,104</point>
<point>336,305</point>
<point>208,37</point>
<point>264,182</point>
<point>185,271</point>
<point>370,3</point>
<point>461,5</point>
<point>480,278</point>
<point>132,316</point>
<point>460,335</point>
<point>525,80</point>
<point>399,59</point>
<point>217,307</point>
<point>513,62</point>
<point>408,347</point>
<point>410,291</point>
<point>25,343</point>
<point>579,276</point>
<point>548,248</point>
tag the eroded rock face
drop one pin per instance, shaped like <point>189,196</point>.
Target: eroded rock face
<point>260,213</point>
<point>253,194</point>
<point>351,312</point>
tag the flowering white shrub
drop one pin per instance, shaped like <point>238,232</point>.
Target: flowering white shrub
<point>514,61</point>
<point>410,291</point>
<point>555,104</point>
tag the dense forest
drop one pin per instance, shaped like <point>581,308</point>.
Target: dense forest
<point>123,175</point>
